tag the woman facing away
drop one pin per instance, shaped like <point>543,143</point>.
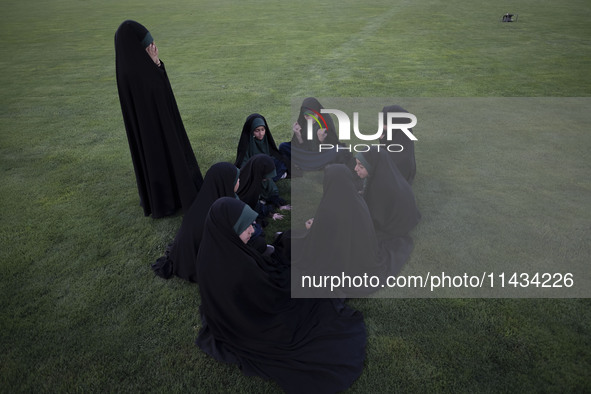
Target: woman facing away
<point>339,240</point>
<point>258,189</point>
<point>391,203</point>
<point>166,170</point>
<point>249,319</point>
<point>221,180</point>
<point>405,159</point>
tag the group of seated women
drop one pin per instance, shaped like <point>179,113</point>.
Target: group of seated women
<point>359,228</point>
<point>249,314</point>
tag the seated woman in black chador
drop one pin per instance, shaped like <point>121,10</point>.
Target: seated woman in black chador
<point>256,139</point>
<point>221,180</point>
<point>305,152</point>
<point>405,159</point>
<point>167,174</point>
<point>391,203</point>
<point>258,190</point>
<point>249,319</point>
<point>340,238</point>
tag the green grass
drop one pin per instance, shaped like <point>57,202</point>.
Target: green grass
<point>82,309</point>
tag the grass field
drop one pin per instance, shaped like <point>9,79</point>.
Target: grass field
<point>82,310</point>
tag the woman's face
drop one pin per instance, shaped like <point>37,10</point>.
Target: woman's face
<point>237,185</point>
<point>259,133</point>
<point>246,234</point>
<point>361,170</point>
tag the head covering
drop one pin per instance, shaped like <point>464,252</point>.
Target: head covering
<point>405,160</point>
<point>147,40</point>
<point>342,238</point>
<point>256,122</point>
<point>248,146</point>
<point>249,319</point>
<point>389,196</point>
<point>307,155</point>
<point>166,170</point>
<point>311,105</point>
<point>246,218</point>
<point>359,156</point>
<point>219,181</point>
<point>252,174</point>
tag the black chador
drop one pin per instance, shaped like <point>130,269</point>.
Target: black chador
<point>248,317</point>
<point>180,257</point>
<point>166,170</point>
<point>405,160</point>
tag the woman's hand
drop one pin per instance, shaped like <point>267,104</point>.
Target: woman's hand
<point>277,216</point>
<point>297,130</point>
<point>152,50</point>
<point>322,133</point>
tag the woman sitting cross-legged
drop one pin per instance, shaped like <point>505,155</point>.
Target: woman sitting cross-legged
<point>249,319</point>
<point>221,180</point>
<point>391,203</point>
<point>256,138</point>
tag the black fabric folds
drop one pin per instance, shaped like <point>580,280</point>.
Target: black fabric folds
<point>251,178</point>
<point>342,239</point>
<point>393,209</point>
<point>167,174</point>
<point>249,319</point>
<point>389,196</point>
<point>181,255</point>
<point>405,160</point>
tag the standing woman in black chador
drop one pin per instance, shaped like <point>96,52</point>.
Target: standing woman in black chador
<point>405,160</point>
<point>221,180</point>
<point>166,170</point>
<point>249,319</point>
<point>256,139</point>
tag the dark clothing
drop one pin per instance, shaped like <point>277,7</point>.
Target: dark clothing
<point>389,196</point>
<point>393,208</point>
<point>248,146</point>
<point>312,106</point>
<point>181,255</point>
<point>307,155</point>
<point>249,318</point>
<point>166,170</point>
<point>405,160</point>
<point>342,238</point>
<point>256,184</point>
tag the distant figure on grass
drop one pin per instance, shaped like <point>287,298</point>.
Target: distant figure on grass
<point>166,170</point>
<point>256,138</point>
<point>507,17</point>
<point>249,319</point>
